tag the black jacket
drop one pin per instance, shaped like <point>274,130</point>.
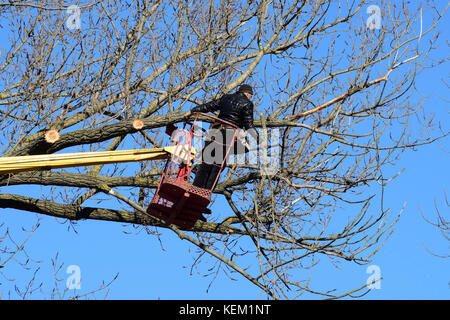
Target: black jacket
<point>235,108</point>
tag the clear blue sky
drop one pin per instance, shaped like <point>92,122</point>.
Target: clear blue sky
<point>150,269</point>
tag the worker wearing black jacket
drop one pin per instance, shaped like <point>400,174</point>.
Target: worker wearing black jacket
<point>235,108</point>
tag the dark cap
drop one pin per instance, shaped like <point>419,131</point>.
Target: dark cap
<point>245,88</point>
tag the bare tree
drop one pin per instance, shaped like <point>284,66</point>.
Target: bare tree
<point>335,80</point>
<point>14,256</point>
<point>441,224</point>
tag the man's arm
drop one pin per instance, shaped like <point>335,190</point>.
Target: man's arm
<point>247,116</point>
<point>211,106</point>
<point>247,120</point>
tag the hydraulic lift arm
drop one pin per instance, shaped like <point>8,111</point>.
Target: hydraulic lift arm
<point>65,160</point>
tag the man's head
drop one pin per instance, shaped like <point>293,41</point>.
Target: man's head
<point>247,90</point>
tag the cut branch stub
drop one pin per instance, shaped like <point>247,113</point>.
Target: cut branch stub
<point>51,136</point>
<point>138,124</point>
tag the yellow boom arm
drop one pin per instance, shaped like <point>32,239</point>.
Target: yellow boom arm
<point>65,160</point>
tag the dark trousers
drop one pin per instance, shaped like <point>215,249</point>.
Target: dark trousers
<point>213,155</point>
<point>206,175</point>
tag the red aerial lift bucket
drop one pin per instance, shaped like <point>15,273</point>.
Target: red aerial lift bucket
<point>176,200</point>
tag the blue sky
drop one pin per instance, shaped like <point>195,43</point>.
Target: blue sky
<point>151,269</point>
